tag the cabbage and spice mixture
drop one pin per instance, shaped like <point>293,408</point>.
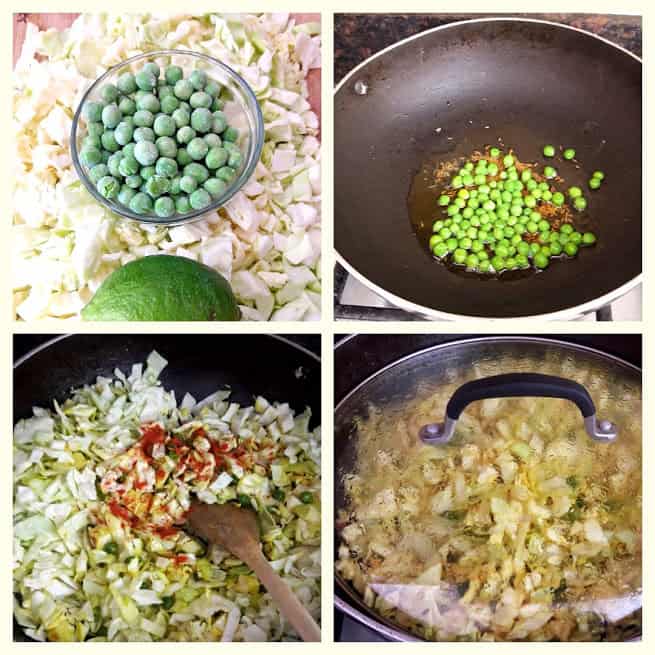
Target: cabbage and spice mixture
<point>266,241</point>
<point>521,529</point>
<point>102,484</point>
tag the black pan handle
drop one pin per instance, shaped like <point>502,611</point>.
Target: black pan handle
<point>514,385</point>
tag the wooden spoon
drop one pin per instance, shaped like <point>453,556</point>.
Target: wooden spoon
<point>236,529</point>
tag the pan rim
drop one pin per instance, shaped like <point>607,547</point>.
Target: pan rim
<point>60,337</point>
<point>375,622</point>
<point>430,313</point>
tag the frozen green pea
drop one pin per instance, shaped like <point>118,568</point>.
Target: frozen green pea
<point>198,79</point>
<point>217,157</point>
<point>173,75</point>
<point>108,187</point>
<point>164,207</point>
<point>125,195</point>
<point>109,142</point>
<point>123,133</point>
<point>188,184</point>
<point>128,149</point>
<point>146,153</point>
<point>147,172</point>
<point>234,161</point>
<point>219,122</point>
<point>212,140</point>
<point>98,171</point>
<point>200,99</point>
<point>128,166</point>
<point>225,173</point>
<point>145,80</point>
<point>212,88</point>
<point>233,147</point>
<point>157,185</point>
<point>185,134</point>
<point>105,156</point>
<point>126,83</point>
<point>201,120</point>
<point>197,148</point>
<point>181,116</point>
<point>143,118</point>
<point>152,68</point>
<point>92,111</point>
<point>95,129</point>
<point>134,181</point>
<point>166,146</point>
<point>231,134</point>
<point>183,157</point>
<point>166,91</point>
<point>169,104</point>
<point>197,171</point>
<point>143,134</point>
<point>113,163</point>
<point>217,104</point>
<point>109,93</point>
<point>91,156</point>
<point>111,116</point>
<point>166,167</point>
<point>182,205</point>
<point>175,185</point>
<point>183,89</point>
<point>148,102</point>
<point>141,203</point>
<point>164,126</point>
<point>127,106</point>
<point>200,199</point>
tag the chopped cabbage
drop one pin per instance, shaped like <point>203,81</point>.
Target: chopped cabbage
<point>266,240</point>
<point>98,550</point>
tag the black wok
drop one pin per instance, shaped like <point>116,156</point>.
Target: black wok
<point>385,370</point>
<point>454,89</point>
<point>271,366</point>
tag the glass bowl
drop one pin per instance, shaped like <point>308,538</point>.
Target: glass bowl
<point>241,108</point>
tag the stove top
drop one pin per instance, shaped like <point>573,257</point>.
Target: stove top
<point>354,301</point>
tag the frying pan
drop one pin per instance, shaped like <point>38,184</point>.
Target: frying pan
<point>449,91</point>
<point>250,365</point>
<point>395,367</point>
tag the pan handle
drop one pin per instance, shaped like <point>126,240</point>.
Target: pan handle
<point>513,385</point>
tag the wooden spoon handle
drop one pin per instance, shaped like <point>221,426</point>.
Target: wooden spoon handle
<point>291,608</point>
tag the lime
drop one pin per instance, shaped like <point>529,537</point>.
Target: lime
<point>163,288</point>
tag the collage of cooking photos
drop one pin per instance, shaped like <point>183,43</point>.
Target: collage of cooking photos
<point>426,426</point>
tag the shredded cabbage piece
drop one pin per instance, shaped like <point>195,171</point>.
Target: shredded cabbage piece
<point>266,240</point>
<point>99,503</point>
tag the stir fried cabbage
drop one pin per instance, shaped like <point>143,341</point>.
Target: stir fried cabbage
<point>101,486</point>
<point>266,241</point>
<point>521,529</point>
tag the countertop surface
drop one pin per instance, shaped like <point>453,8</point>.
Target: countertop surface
<point>358,36</point>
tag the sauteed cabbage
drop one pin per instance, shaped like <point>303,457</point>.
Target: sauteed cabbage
<point>101,486</point>
<point>521,529</point>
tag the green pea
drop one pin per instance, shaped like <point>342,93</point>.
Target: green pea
<point>494,152</point>
<point>472,262</point>
<point>188,184</point>
<point>598,175</point>
<point>98,171</point>
<point>109,142</point>
<point>588,238</point>
<point>580,203</point>
<point>128,166</point>
<point>111,116</point>
<point>164,207</point>
<point>198,79</point>
<point>555,248</point>
<point>173,75</point>
<point>197,171</point>
<point>508,161</point>
<point>111,548</point>
<point>108,187</point>
<point>201,120</point>
<point>123,133</point>
<point>92,111</point>
<point>213,140</point>
<point>575,191</point>
<point>225,173</point>
<point>459,256</point>
<point>125,195</point>
<point>127,106</point>
<point>569,153</point>
<point>152,68</point>
<point>549,172</point>
<point>146,153</point>
<point>90,156</point>
<point>181,117</point>
<point>166,146</point>
<point>498,263</point>
<point>197,148</point>
<point>200,199</point>
<point>146,81</point>
<point>443,201</point>
<point>549,151</point>
<point>183,89</point>
<point>182,205</point>
<point>457,182</point>
<point>566,228</point>
<point>571,249</point>
<point>540,260</point>
<point>113,163</point>
<point>231,134</point>
<point>143,118</point>
<point>148,102</point>
<point>157,185</point>
<point>558,199</point>
<point>134,181</point>
<point>164,126</point>
<point>200,99</point>
<point>594,183</point>
<point>166,167</point>
<point>183,157</point>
